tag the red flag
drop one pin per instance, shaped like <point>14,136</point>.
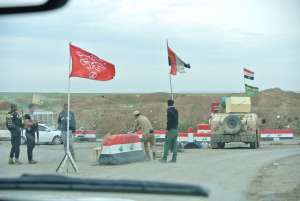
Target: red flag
<point>89,66</point>
<point>172,61</point>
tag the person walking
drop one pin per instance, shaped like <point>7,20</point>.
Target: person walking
<point>31,128</point>
<point>62,123</point>
<point>148,133</point>
<point>14,124</point>
<point>171,134</point>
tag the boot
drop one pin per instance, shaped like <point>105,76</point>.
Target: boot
<point>154,156</point>
<point>17,162</point>
<point>73,156</point>
<point>148,159</point>
<point>32,161</point>
<point>11,161</point>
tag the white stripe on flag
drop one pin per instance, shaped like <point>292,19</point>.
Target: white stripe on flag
<point>180,65</point>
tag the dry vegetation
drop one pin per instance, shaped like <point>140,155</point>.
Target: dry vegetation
<point>113,112</point>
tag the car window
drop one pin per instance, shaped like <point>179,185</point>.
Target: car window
<point>42,128</point>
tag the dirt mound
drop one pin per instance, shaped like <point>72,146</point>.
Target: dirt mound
<point>113,112</point>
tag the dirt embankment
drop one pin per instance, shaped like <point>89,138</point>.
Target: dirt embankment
<point>113,112</point>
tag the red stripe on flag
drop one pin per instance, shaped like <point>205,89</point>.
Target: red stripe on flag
<point>172,57</point>
<point>248,71</point>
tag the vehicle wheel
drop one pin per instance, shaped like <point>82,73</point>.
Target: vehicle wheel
<point>232,124</point>
<point>23,140</point>
<point>56,140</point>
<point>221,145</point>
<point>253,145</point>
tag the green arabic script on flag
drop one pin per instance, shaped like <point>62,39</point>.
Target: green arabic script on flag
<point>251,90</point>
<point>38,99</point>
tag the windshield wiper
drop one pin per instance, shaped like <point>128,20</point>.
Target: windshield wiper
<point>63,183</point>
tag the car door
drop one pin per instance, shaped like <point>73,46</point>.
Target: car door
<point>44,134</point>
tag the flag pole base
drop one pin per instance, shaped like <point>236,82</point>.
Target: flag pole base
<point>63,162</point>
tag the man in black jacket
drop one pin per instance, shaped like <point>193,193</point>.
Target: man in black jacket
<point>14,123</point>
<point>172,133</point>
<point>62,123</point>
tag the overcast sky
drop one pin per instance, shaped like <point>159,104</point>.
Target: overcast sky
<point>218,39</point>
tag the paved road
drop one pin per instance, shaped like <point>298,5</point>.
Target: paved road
<point>229,173</point>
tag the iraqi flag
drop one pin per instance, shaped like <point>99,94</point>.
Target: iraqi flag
<point>248,74</point>
<point>177,65</point>
<point>89,66</point>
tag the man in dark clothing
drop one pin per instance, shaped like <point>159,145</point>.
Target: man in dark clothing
<point>172,133</point>
<point>14,123</point>
<point>62,123</point>
<point>31,127</point>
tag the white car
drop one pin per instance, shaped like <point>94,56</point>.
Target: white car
<point>46,134</point>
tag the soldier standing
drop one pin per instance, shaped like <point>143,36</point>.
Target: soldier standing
<point>62,123</point>
<point>171,134</point>
<point>31,127</point>
<point>14,123</point>
<point>148,132</point>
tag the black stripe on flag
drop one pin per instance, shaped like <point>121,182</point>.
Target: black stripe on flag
<point>249,77</point>
<point>186,65</point>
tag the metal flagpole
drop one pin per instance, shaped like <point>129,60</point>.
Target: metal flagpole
<point>68,154</point>
<point>244,80</point>
<point>171,83</point>
<point>170,71</point>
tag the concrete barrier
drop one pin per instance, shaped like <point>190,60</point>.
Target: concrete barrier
<point>281,134</point>
<point>88,135</point>
<point>159,135</point>
<point>4,135</point>
<point>187,139</point>
<point>122,148</point>
<point>204,128</point>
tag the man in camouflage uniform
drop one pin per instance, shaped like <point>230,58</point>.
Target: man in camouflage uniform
<point>14,123</point>
<point>31,128</point>
<point>148,132</point>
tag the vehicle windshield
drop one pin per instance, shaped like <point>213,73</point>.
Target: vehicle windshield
<point>134,85</point>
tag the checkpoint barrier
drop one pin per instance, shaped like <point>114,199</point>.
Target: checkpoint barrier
<point>122,148</point>
<point>86,135</point>
<point>187,139</point>
<point>4,135</point>
<point>204,128</point>
<point>281,134</point>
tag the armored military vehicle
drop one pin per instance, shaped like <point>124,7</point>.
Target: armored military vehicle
<point>235,123</point>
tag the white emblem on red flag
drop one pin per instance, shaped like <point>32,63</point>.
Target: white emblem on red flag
<point>92,75</point>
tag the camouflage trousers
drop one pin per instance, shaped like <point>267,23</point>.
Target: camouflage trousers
<point>151,137</point>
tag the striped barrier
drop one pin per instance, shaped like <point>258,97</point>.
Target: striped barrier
<point>281,134</point>
<point>185,138</point>
<point>122,148</point>
<point>204,128</point>
<point>189,138</point>
<point>5,135</point>
<point>159,135</point>
<point>88,135</point>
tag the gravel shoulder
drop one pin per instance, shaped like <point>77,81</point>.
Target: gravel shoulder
<point>233,173</point>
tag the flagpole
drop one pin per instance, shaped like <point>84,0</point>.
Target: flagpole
<point>170,74</point>
<point>68,155</point>
<point>171,83</point>
<point>244,81</point>
<point>68,124</point>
